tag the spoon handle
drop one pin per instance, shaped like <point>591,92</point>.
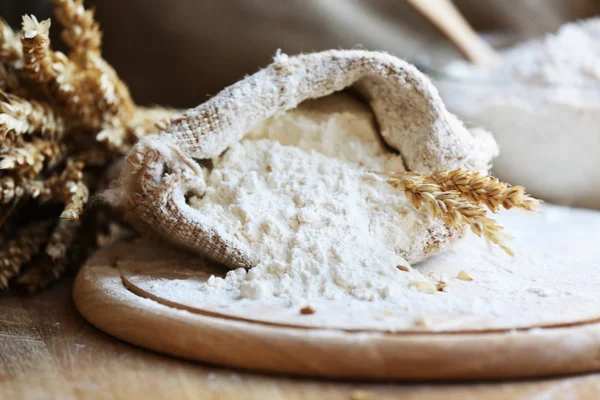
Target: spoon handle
<point>448,20</point>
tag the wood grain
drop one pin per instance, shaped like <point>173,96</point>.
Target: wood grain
<point>47,351</point>
<point>102,298</point>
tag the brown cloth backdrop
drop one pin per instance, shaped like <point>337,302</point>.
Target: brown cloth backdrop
<point>179,52</point>
<point>182,51</point>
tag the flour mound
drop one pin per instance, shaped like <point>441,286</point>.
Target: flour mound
<point>570,56</point>
<point>298,192</point>
<point>542,103</point>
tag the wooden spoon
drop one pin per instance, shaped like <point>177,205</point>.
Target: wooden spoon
<point>448,20</point>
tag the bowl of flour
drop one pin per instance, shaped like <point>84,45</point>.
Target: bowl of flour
<point>542,103</point>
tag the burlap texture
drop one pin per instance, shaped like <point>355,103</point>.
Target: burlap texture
<point>161,168</point>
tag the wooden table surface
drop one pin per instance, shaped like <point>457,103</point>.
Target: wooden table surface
<point>47,351</point>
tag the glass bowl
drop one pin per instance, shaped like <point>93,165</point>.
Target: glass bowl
<point>548,135</point>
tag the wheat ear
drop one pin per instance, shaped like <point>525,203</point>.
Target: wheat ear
<point>81,32</point>
<point>26,116</point>
<point>484,189</point>
<point>461,207</point>
<point>21,250</point>
<point>11,50</point>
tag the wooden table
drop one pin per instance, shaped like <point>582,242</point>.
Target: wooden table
<point>47,351</point>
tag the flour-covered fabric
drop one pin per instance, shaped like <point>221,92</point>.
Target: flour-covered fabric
<point>162,171</point>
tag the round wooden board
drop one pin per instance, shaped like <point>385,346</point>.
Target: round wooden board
<point>127,313</point>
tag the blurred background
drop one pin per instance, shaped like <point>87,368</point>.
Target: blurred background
<point>180,52</point>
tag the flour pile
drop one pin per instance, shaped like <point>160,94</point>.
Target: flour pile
<point>297,192</point>
<point>570,56</point>
<point>542,102</point>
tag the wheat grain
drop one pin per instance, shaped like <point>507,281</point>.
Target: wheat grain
<point>425,286</point>
<point>307,310</point>
<point>464,276</point>
<point>484,189</point>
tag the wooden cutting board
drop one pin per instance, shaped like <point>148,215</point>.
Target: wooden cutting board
<point>145,293</point>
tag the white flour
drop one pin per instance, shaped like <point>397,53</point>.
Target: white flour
<point>542,102</point>
<point>553,279</point>
<point>570,56</point>
<point>297,192</point>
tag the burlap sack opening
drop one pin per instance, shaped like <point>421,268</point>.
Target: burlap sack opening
<point>161,169</point>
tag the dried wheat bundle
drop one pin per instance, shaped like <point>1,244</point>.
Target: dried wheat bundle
<point>462,197</point>
<point>63,119</point>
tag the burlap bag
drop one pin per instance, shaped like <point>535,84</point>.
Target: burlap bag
<point>161,169</point>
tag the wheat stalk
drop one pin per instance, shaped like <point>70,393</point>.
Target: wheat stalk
<point>11,188</point>
<point>61,238</point>
<point>41,274</point>
<point>40,63</point>
<point>66,81</point>
<point>52,263</point>
<point>11,50</point>
<point>33,157</point>
<point>107,103</point>
<point>74,191</point>
<point>465,206</point>
<point>84,82</point>
<point>80,31</point>
<point>8,79</point>
<point>19,251</point>
<point>26,117</point>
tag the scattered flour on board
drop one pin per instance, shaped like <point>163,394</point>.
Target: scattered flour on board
<point>542,103</point>
<point>553,279</point>
<point>298,192</point>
